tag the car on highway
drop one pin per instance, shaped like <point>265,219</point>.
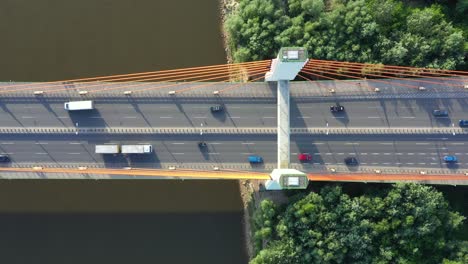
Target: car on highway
<point>255,159</point>
<point>216,108</point>
<point>337,108</point>
<point>202,144</point>
<point>351,161</point>
<point>450,158</point>
<point>304,157</point>
<point>4,158</point>
<point>463,123</point>
<point>439,112</point>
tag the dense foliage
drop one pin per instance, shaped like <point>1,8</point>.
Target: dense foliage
<point>408,223</point>
<point>373,31</point>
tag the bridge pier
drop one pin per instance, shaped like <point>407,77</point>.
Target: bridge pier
<point>284,69</point>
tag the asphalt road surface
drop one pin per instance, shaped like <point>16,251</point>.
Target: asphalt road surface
<point>403,152</point>
<point>30,112</point>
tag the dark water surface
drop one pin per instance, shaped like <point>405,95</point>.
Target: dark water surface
<point>143,221</point>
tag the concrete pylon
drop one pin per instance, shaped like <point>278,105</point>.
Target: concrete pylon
<point>283,69</point>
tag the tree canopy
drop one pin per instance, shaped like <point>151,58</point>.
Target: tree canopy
<point>408,223</point>
<point>372,31</point>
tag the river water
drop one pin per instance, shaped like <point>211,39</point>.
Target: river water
<point>145,221</point>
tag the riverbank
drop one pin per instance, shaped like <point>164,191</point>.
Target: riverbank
<point>252,195</point>
<point>226,7</point>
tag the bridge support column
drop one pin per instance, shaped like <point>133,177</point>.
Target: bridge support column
<point>283,125</point>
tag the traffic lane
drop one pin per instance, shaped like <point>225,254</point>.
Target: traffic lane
<point>399,153</point>
<point>371,113</point>
<point>367,113</point>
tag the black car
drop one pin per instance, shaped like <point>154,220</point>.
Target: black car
<point>216,108</point>
<point>439,112</point>
<point>4,158</point>
<point>336,108</point>
<point>352,161</point>
<point>202,144</point>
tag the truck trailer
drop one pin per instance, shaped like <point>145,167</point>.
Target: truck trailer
<point>137,149</point>
<point>79,105</point>
<point>107,149</point>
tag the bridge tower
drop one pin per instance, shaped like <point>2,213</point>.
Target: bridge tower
<point>285,68</point>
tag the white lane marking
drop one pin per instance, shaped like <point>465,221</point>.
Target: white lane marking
<point>213,153</point>
<point>235,117</point>
<point>364,153</point>
<point>410,163</point>
<point>421,153</point>
<point>317,163</point>
<point>375,153</point>
<point>40,153</point>
<point>339,117</point>
<point>439,148</point>
<point>352,143</point>
<point>387,153</point>
<point>458,153</point>
<point>386,163</point>
<point>408,117</point>
<point>373,117</point>
<point>422,163</point>
<point>319,143</point>
<point>269,117</point>
<point>216,143</point>
<point>418,143</point>
<point>303,117</point>
<point>199,117</point>
<point>165,117</point>
<point>339,153</point>
<point>363,163</point>
<point>7,153</point>
<point>178,153</point>
<point>246,153</point>
<point>95,117</point>
<point>74,143</point>
<point>386,143</point>
<point>398,163</point>
<point>351,153</point>
<point>7,143</point>
<point>178,143</point>
<point>399,153</point>
<point>433,153</point>
<point>410,153</point>
<point>25,117</point>
<point>41,143</point>
<point>62,117</point>
<point>374,107</point>
<point>248,143</point>
<point>274,107</point>
<point>375,163</point>
<point>328,153</point>
<point>436,138</point>
<point>74,153</point>
<point>433,163</point>
<point>130,117</point>
<point>457,143</point>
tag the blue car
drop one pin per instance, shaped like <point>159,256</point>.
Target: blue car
<point>450,158</point>
<point>255,159</point>
<point>463,123</point>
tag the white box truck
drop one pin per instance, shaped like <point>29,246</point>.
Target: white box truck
<point>137,149</point>
<point>79,105</point>
<point>107,149</point>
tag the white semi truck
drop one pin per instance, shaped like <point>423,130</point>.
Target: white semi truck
<point>137,149</point>
<point>107,149</point>
<point>124,149</point>
<point>78,105</point>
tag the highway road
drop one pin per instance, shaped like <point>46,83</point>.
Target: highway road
<point>30,112</point>
<point>406,152</point>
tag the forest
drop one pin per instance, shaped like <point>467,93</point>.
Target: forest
<point>421,33</point>
<point>403,223</point>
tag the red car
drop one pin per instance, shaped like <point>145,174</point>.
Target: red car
<point>304,157</point>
